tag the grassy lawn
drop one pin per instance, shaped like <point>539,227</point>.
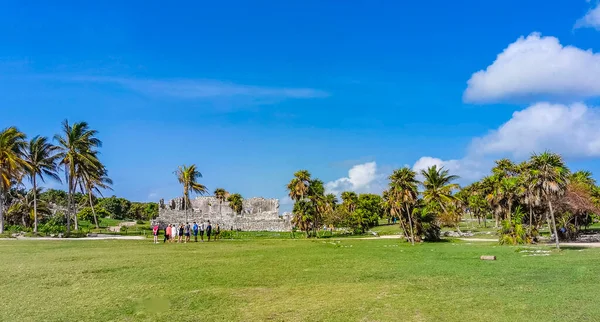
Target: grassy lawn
<point>293,280</point>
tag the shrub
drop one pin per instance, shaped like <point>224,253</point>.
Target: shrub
<point>87,214</point>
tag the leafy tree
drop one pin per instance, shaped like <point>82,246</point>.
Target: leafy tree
<point>41,158</point>
<point>77,145</point>
<point>188,176</point>
<point>368,211</point>
<point>55,196</point>
<point>151,210</point>
<point>89,214</point>
<point>12,163</point>
<point>118,207</point>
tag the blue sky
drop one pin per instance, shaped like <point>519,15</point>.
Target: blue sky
<point>252,91</point>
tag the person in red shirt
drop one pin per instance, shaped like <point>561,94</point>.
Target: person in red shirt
<point>155,233</point>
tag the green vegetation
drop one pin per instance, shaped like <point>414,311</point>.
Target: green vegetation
<point>294,280</point>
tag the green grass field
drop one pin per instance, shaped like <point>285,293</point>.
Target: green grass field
<point>294,280</point>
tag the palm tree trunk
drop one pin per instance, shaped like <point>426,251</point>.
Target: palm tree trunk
<point>70,200</point>
<point>530,220</point>
<point>93,211</point>
<point>1,211</point>
<point>412,234</point>
<point>508,215</point>
<point>75,221</point>
<point>35,218</point>
<point>553,224</point>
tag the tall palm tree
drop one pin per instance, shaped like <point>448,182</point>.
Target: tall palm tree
<point>438,188</point>
<point>221,195</point>
<point>12,164</point>
<point>93,179</point>
<point>42,158</point>
<point>510,190</point>
<point>188,176</point>
<point>403,192</point>
<point>550,177</point>
<point>77,145</point>
<point>236,202</point>
<point>298,186</point>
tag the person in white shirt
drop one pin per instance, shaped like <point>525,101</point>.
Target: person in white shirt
<point>201,228</point>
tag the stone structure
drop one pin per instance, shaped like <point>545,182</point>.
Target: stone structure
<point>258,214</point>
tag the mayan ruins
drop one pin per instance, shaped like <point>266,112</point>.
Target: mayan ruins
<point>258,214</point>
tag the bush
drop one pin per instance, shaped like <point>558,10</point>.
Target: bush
<point>226,234</point>
<point>54,225</point>
<point>87,214</point>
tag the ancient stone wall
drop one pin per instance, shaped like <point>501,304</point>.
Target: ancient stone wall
<point>258,214</point>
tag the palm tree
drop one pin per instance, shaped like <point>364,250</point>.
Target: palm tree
<point>510,190</point>
<point>12,163</point>
<point>298,186</point>
<point>77,144</point>
<point>221,195</point>
<point>236,202</point>
<point>550,177</point>
<point>188,176</point>
<point>92,179</point>
<point>25,205</point>
<point>42,158</point>
<point>438,188</point>
<point>403,192</point>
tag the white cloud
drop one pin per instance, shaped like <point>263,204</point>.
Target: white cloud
<point>571,130</point>
<point>361,178</point>
<point>537,66</point>
<point>200,89</point>
<point>590,20</point>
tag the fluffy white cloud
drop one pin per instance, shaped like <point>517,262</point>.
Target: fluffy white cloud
<point>361,178</point>
<point>537,66</point>
<point>572,130</point>
<point>590,20</point>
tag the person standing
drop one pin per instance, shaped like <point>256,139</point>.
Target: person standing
<point>217,232</point>
<point>180,233</point>
<point>208,230</point>
<point>167,233</point>
<point>155,233</point>
<point>186,231</point>
<point>202,231</point>
<point>195,230</point>
<point>173,233</point>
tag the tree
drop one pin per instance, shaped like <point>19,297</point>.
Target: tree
<point>403,192</point>
<point>188,176</point>
<point>550,178</point>
<point>92,179</point>
<point>24,206</point>
<point>236,202</point>
<point>118,207</point>
<point>368,211</point>
<point>77,144</point>
<point>438,188</point>
<point>41,158</point>
<point>221,195</point>
<point>298,186</point>
<point>12,163</point>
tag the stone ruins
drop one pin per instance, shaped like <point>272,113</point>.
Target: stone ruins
<point>258,214</point>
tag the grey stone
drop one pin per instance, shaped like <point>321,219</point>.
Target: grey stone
<point>258,214</point>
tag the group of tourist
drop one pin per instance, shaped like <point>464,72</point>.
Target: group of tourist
<point>180,233</point>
